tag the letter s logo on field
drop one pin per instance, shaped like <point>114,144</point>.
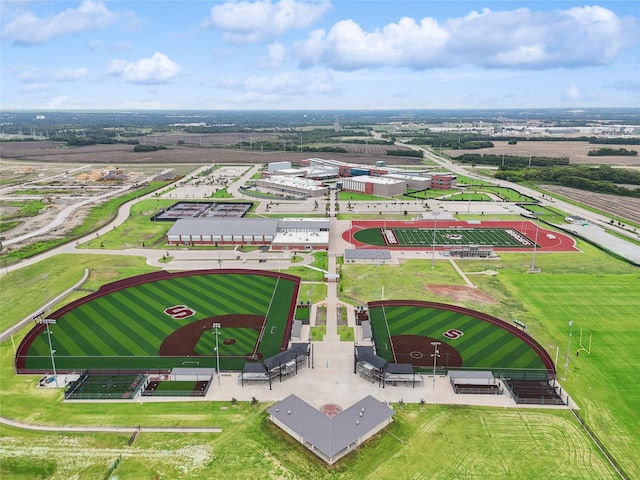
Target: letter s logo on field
<point>453,333</point>
<point>179,312</point>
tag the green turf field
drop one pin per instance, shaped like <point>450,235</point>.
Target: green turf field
<point>450,237</point>
<point>125,328</point>
<point>483,345</point>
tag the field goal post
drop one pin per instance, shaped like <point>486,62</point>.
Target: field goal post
<point>582,347</point>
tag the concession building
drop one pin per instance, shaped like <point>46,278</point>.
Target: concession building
<point>331,438</point>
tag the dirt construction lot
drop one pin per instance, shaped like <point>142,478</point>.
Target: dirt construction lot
<point>211,148</point>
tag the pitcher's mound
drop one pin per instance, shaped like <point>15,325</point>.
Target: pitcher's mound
<point>461,293</point>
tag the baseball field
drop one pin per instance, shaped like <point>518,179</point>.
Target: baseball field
<point>403,332</point>
<point>163,320</point>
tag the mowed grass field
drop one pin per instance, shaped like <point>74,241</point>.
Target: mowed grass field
<point>483,345</point>
<point>125,328</point>
<point>597,292</point>
<point>424,237</point>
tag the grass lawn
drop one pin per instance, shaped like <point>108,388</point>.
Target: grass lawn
<point>596,291</point>
<point>25,291</point>
<point>345,333</point>
<point>496,443</point>
<point>471,197</point>
<point>138,228</point>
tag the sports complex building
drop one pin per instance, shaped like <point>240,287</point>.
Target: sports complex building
<point>277,234</point>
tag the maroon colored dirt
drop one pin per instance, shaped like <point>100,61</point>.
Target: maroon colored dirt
<point>182,342</point>
<point>417,350</point>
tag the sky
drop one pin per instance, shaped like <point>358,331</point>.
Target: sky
<point>318,54</point>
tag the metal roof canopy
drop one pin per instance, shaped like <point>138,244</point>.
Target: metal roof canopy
<point>366,329</point>
<point>482,375</point>
<point>331,435</point>
<point>365,254</point>
<point>193,371</point>
<point>225,226</point>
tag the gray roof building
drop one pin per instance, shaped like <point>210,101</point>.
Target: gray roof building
<point>331,438</point>
<point>374,255</point>
<point>231,226</point>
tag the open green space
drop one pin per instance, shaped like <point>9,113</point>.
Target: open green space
<point>431,193</point>
<point>25,291</point>
<point>250,446</point>
<point>470,197</point>
<point>98,216</point>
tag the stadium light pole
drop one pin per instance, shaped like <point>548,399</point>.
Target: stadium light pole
<point>435,227</point>
<point>435,355</point>
<point>535,244</point>
<point>46,291</point>
<point>217,326</point>
<point>566,361</point>
<point>47,321</point>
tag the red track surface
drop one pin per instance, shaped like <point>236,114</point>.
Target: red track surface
<point>561,242</point>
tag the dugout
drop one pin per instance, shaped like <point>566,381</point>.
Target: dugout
<point>401,374</point>
<point>474,382</point>
<point>368,365</point>
<point>254,372</point>
<point>281,365</point>
<point>185,374</point>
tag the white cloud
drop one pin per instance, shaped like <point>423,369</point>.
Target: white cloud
<point>62,102</point>
<point>157,69</point>
<point>574,94</point>
<point>250,22</point>
<point>70,75</point>
<point>518,39</point>
<point>28,29</point>
<point>277,56</point>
